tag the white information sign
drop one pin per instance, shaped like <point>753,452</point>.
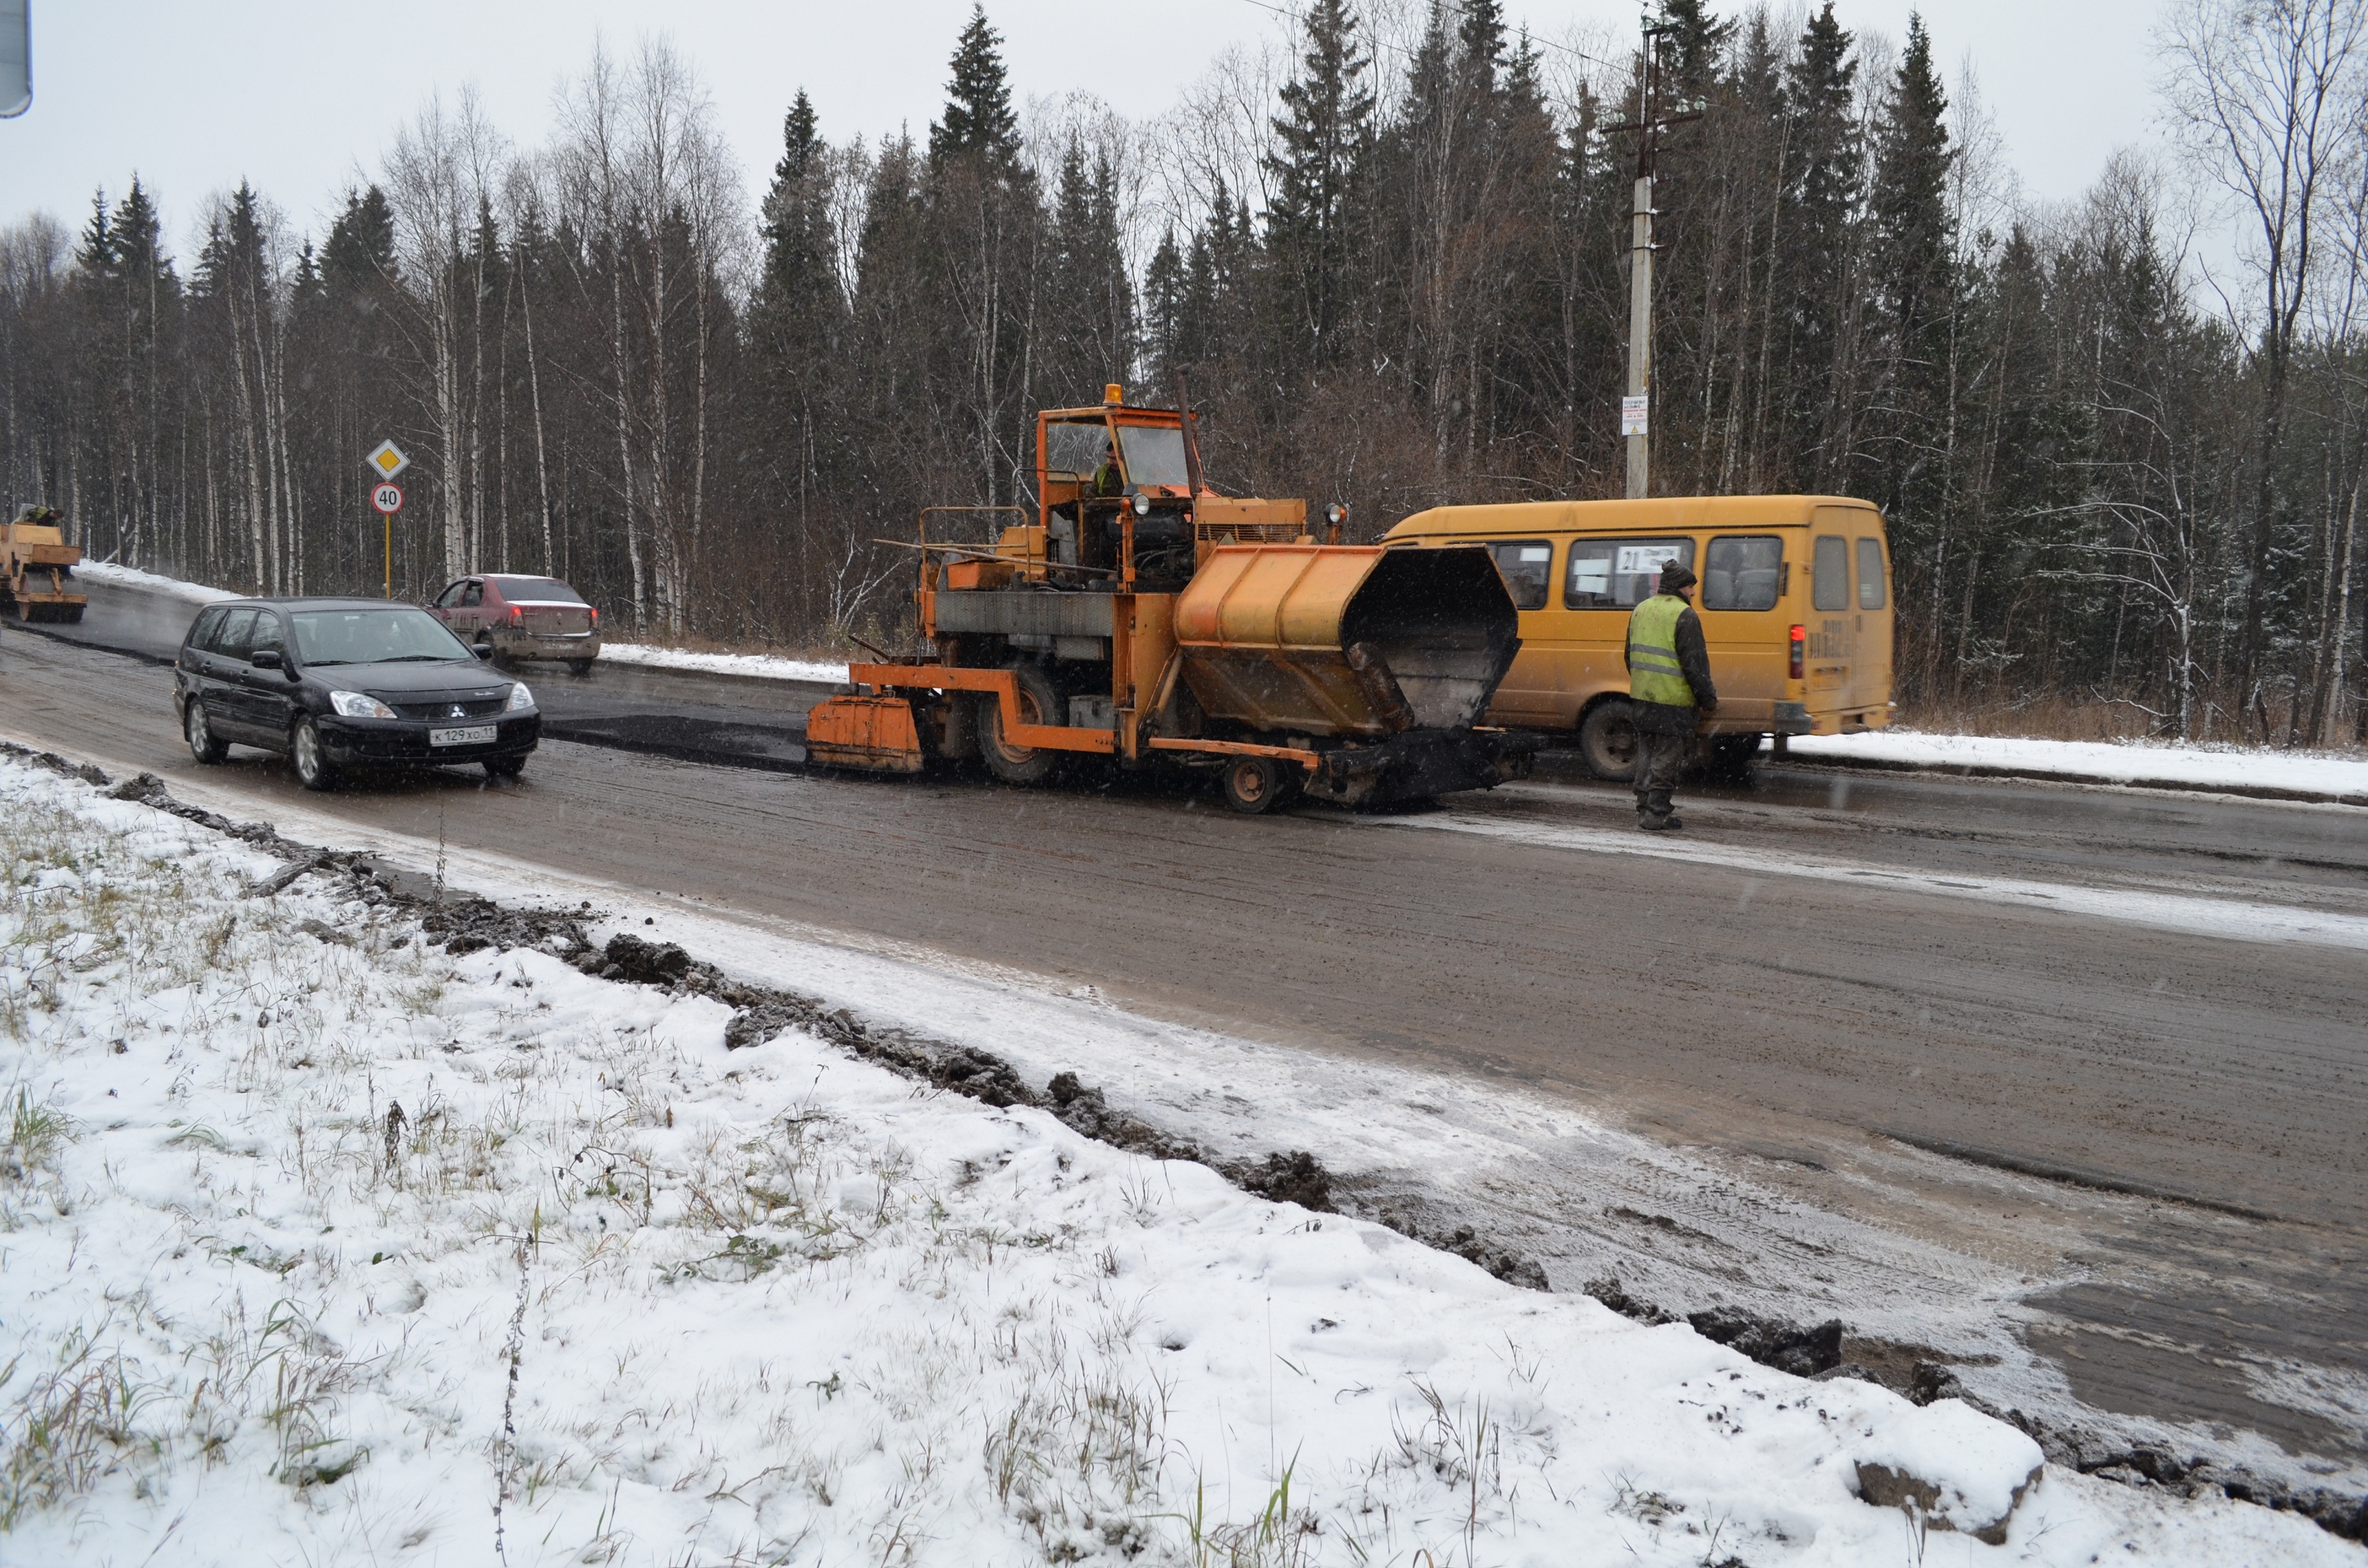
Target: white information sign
<point>1633,415</point>
<point>387,498</point>
<point>388,459</point>
<point>1646,559</point>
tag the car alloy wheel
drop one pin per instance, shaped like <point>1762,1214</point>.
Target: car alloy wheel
<point>313,769</point>
<point>199,730</point>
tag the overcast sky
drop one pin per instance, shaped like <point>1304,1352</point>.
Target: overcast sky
<point>303,98</point>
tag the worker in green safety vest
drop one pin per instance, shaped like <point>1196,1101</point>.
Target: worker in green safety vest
<point>1668,689</point>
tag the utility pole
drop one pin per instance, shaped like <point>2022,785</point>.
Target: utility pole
<point>1653,117</point>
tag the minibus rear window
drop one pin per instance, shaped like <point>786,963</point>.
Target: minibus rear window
<point>1527,566</point>
<point>1743,573</point>
<point>1829,581</point>
<point>1870,574</point>
<point>1619,573</point>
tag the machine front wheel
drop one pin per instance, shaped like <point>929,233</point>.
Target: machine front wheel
<point>1006,758</point>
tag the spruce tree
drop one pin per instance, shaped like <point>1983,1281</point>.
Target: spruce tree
<point>979,121</point>
<point>796,283</point>
<point>1913,244</point>
<point>1093,300</point>
<point>1697,41</point>
<point>1163,310</point>
<point>1323,138</point>
<point>358,258</point>
<point>1480,40</point>
<point>1821,202</point>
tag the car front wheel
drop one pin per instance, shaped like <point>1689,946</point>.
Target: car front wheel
<point>313,766</point>
<point>204,745</point>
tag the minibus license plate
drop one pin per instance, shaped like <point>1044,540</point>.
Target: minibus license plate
<point>475,735</point>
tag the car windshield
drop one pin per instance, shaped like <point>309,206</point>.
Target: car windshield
<point>392,636</point>
<point>538,590</point>
<point>1155,455</point>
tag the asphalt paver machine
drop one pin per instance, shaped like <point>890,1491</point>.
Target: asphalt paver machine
<point>36,565</point>
<point>1136,617</point>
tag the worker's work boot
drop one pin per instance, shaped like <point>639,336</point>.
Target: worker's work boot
<point>1659,824</point>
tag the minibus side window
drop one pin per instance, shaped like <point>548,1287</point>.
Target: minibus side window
<point>1526,564</point>
<point>1829,579</point>
<point>1742,573</point>
<point>1870,574</point>
<point>1619,573</point>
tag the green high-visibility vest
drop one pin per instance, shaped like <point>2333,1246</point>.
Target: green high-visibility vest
<point>1653,673</point>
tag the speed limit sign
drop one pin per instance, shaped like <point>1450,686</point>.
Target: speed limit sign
<point>387,498</point>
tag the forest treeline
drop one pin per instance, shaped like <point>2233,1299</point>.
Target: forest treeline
<point>1390,254</point>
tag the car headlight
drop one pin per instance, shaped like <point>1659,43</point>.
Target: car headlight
<point>520,697</point>
<point>359,705</point>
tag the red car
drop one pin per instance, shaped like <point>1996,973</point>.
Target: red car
<point>523,617</point>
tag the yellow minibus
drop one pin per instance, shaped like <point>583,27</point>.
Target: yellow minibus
<point>1794,599</point>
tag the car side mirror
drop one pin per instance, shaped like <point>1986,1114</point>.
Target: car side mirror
<point>483,651</point>
<point>264,658</point>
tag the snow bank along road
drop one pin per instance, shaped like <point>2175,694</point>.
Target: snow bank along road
<point>334,1247</point>
<point>2061,1086</point>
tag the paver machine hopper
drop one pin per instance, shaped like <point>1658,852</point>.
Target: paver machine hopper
<point>1136,617</point>
<point>36,564</point>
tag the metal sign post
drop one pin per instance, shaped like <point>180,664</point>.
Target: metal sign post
<point>386,462</point>
<point>388,499</point>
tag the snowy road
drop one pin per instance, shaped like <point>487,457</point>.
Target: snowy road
<point>1864,1091</point>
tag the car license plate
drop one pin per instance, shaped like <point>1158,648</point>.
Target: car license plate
<point>475,735</point>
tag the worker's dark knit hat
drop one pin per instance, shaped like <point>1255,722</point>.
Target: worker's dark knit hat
<point>1675,574</point>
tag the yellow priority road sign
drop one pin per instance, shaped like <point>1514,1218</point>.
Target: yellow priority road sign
<point>388,459</point>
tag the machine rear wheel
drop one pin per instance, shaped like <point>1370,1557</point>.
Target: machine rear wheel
<point>1607,740</point>
<point>1254,784</point>
<point>1006,759</point>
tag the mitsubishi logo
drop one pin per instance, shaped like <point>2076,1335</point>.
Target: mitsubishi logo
<point>458,712</point>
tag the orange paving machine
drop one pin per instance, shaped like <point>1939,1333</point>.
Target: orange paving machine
<point>36,564</point>
<point>1137,618</point>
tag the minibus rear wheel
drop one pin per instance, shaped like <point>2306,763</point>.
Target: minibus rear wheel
<point>1607,738</point>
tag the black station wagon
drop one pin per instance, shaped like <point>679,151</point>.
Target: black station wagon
<point>341,683</point>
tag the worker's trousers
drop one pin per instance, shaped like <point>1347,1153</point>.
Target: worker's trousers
<point>1660,756</point>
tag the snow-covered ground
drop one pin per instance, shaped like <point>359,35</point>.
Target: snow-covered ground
<point>2105,762</point>
<point>759,667</point>
<point>606,1292</point>
<point>149,582</point>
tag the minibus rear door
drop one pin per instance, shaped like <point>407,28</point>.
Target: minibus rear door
<point>1833,617</point>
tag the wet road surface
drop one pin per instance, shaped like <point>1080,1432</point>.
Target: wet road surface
<point>2217,1081</point>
